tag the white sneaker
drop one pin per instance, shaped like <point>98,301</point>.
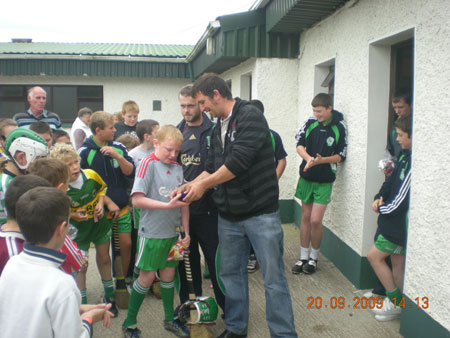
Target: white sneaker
<point>388,312</point>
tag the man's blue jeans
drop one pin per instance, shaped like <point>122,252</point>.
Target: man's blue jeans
<point>264,232</point>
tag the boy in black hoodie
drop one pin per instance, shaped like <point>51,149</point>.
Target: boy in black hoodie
<point>111,161</point>
<point>321,143</point>
<point>392,204</point>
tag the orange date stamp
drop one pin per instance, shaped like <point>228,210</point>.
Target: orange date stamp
<point>365,303</point>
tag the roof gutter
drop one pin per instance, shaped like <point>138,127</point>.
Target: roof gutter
<point>93,57</point>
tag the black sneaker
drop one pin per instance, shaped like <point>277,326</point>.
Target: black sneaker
<point>298,267</point>
<point>131,333</point>
<point>176,327</point>
<point>252,264</point>
<point>113,308</point>
<point>310,266</point>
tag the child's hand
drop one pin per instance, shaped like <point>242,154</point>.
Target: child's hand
<point>97,313</point>
<point>309,164</point>
<point>313,161</point>
<point>107,150</point>
<point>186,241</point>
<point>176,203</point>
<point>98,212</point>
<point>113,209</point>
<point>80,215</point>
<point>376,204</point>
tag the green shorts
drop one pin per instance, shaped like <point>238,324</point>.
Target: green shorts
<point>123,221</point>
<point>386,246</point>
<point>90,232</point>
<point>152,253</point>
<point>313,192</point>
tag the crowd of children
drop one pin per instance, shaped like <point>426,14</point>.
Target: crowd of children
<point>57,200</point>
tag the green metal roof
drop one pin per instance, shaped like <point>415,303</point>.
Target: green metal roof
<point>95,49</point>
<point>293,16</point>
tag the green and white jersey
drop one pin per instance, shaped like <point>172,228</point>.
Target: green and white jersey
<point>5,178</point>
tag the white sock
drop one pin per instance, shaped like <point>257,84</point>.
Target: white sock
<point>314,254</point>
<point>304,253</point>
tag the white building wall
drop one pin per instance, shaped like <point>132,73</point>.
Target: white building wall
<point>274,82</point>
<point>118,90</point>
<point>347,36</point>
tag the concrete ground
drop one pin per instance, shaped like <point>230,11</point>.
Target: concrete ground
<point>326,283</point>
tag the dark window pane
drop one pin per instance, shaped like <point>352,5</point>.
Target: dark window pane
<point>9,108</point>
<point>65,103</point>
<point>12,91</point>
<point>94,105</point>
<point>156,105</point>
<point>86,92</point>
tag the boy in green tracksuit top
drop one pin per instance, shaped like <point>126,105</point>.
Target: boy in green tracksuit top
<point>321,143</point>
<point>87,192</point>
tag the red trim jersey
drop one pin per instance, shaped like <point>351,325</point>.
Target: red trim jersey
<point>11,244</point>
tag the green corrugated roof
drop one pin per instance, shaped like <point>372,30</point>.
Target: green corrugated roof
<point>96,49</point>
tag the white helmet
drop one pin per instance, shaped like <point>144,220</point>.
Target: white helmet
<point>28,142</point>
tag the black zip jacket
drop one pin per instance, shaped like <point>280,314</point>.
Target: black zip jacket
<point>204,205</point>
<point>392,219</point>
<point>108,169</point>
<point>248,154</point>
<point>326,139</point>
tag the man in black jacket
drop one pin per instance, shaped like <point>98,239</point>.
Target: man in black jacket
<point>242,168</point>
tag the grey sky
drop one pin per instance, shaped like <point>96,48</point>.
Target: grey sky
<point>133,21</point>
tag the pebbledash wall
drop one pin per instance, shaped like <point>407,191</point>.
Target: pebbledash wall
<point>357,40</point>
<point>118,90</point>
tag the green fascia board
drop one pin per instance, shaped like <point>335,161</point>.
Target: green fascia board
<point>95,49</point>
<point>64,67</point>
<point>242,20</point>
<point>242,36</point>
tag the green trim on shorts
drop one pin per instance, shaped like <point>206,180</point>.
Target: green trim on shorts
<point>124,223</point>
<point>90,232</point>
<point>152,253</point>
<point>313,192</point>
<point>387,246</point>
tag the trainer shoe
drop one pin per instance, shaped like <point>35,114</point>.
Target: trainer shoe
<point>113,308</point>
<point>298,267</point>
<point>388,311</point>
<point>176,327</point>
<point>229,334</point>
<point>131,333</point>
<point>310,266</point>
<point>252,264</point>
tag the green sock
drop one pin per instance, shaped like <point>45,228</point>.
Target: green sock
<point>109,289</point>
<point>394,294</point>
<point>167,298</point>
<point>83,296</point>
<point>137,297</point>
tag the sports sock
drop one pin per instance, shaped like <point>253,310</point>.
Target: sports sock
<point>314,254</point>
<point>137,297</point>
<point>394,294</point>
<point>83,296</point>
<point>304,253</point>
<point>135,273</point>
<point>109,289</point>
<point>167,298</point>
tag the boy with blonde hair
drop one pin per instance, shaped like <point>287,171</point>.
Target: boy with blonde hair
<point>87,192</point>
<point>158,175</point>
<point>130,112</point>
